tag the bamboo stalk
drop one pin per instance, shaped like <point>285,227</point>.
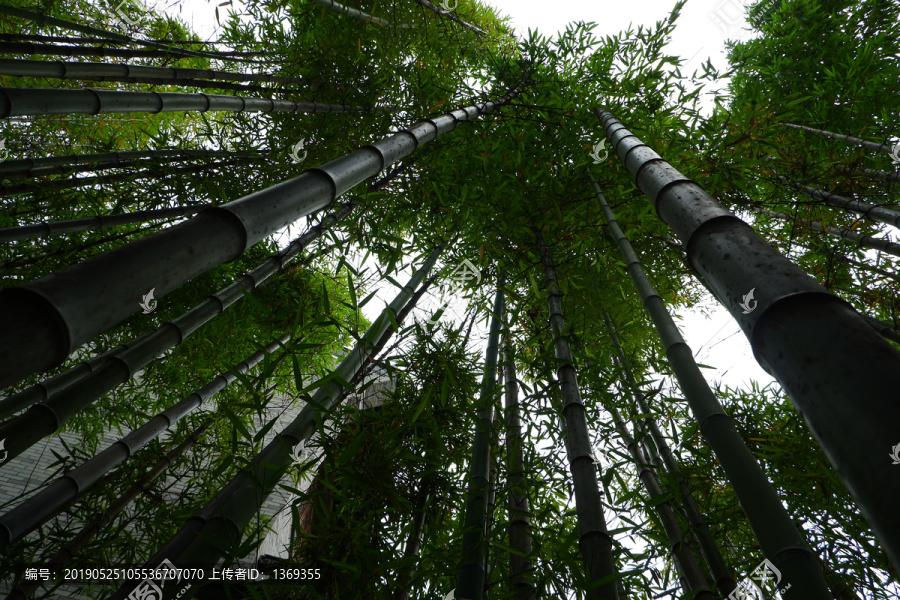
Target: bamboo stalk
<point>848,411</point>
<point>58,101</point>
<point>11,189</point>
<point>888,331</point>
<point>869,211</point>
<point>346,10</point>
<point>844,138</point>
<point>71,170</point>
<point>661,453</point>
<point>46,416</point>
<point>68,552</point>
<point>519,529</point>
<point>470,577</point>
<point>450,16</point>
<point>44,320</point>
<point>25,167</point>
<point>66,489</point>
<point>593,538</point>
<point>214,530</point>
<point>48,20</point>
<point>413,543</point>
<point>883,176</point>
<point>26,37</point>
<point>31,49</point>
<point>863,241</point>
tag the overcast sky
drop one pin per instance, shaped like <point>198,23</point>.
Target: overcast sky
<point>701,31</point>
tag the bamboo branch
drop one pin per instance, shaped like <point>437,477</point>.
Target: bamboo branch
<point>450,16</point>
<point>844,138</point>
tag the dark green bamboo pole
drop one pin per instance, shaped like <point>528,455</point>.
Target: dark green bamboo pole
<point>593,537</point>
<point>470,577</point>
<point>32,49</point>
<point>68,394</point>
<point>27,37</point>
<point>450,16</point>
<point>887,330</point>
<point>869,211</point>
<point>69,25</point>
<point>219,526</point>
<point>519,529</point>
<point>883,176</point>
<point>688,208</point>
<point>58,69</point>
<point>353,12</point>
<point>133,164</point>
<point>692,576</point>
<point>413,542</point>
<point>25,232</point>
<point>863,241</point>
<point>16,102</point>
<point>661,454</point>
<point>844,138</point>
<point>44,320</point>
<point>155,171</point>
<point>68,552</point>
<point>29,167</point>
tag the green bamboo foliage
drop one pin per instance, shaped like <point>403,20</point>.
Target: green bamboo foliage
<point>18,102</point>
<point>519,530</point>
<point>660,453</point>
<point>450,16</point>
<point>30,514</point>
<point>844,138</point>
<point>869,211</point>
<point>470,578</point>
<point>779,538</point>
<point>25,232</point>
<point>593,537</point>
<point>76,182</point>
<point>692,576</point>
<point>35,167</point>
<point>218,527</point>
<point>68,552</point>
<point>863,241</point>
<point>68,25</point>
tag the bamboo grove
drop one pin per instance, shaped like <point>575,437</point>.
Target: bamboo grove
<point>214,250</point>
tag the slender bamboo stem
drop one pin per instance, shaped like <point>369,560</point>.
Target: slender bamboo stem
<point>593,536</point>
<point>450,16</point>
<point>869,211</point>
<point>413,543</point>
<point>470,578</point>
<point>779,538</point>
<point>68,552</point>
<point>844,138</point>
<point>661,453</point>
<point>29,514</point>
<point>519,530</point>
<point>27,37</point>
<point>883,176</point>
<point>219,526</point>
<point>32,49</point>
<point>44,320</point>
<point>353,12</point>
<point>888,331</point>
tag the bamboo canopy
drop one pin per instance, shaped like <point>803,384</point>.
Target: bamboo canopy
<point>48,318</point>
<point>850,412</point>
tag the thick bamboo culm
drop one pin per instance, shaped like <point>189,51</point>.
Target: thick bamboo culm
<point>519,529</point>
<point>661,454</point>
<point>32,49</point>
<point>779,538</point>
<point>848,412</point>
<point>219,526</point>
<point>37,509</point>
<point>46,319</point>
<point>594,539</point>
<point>470,577</point>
